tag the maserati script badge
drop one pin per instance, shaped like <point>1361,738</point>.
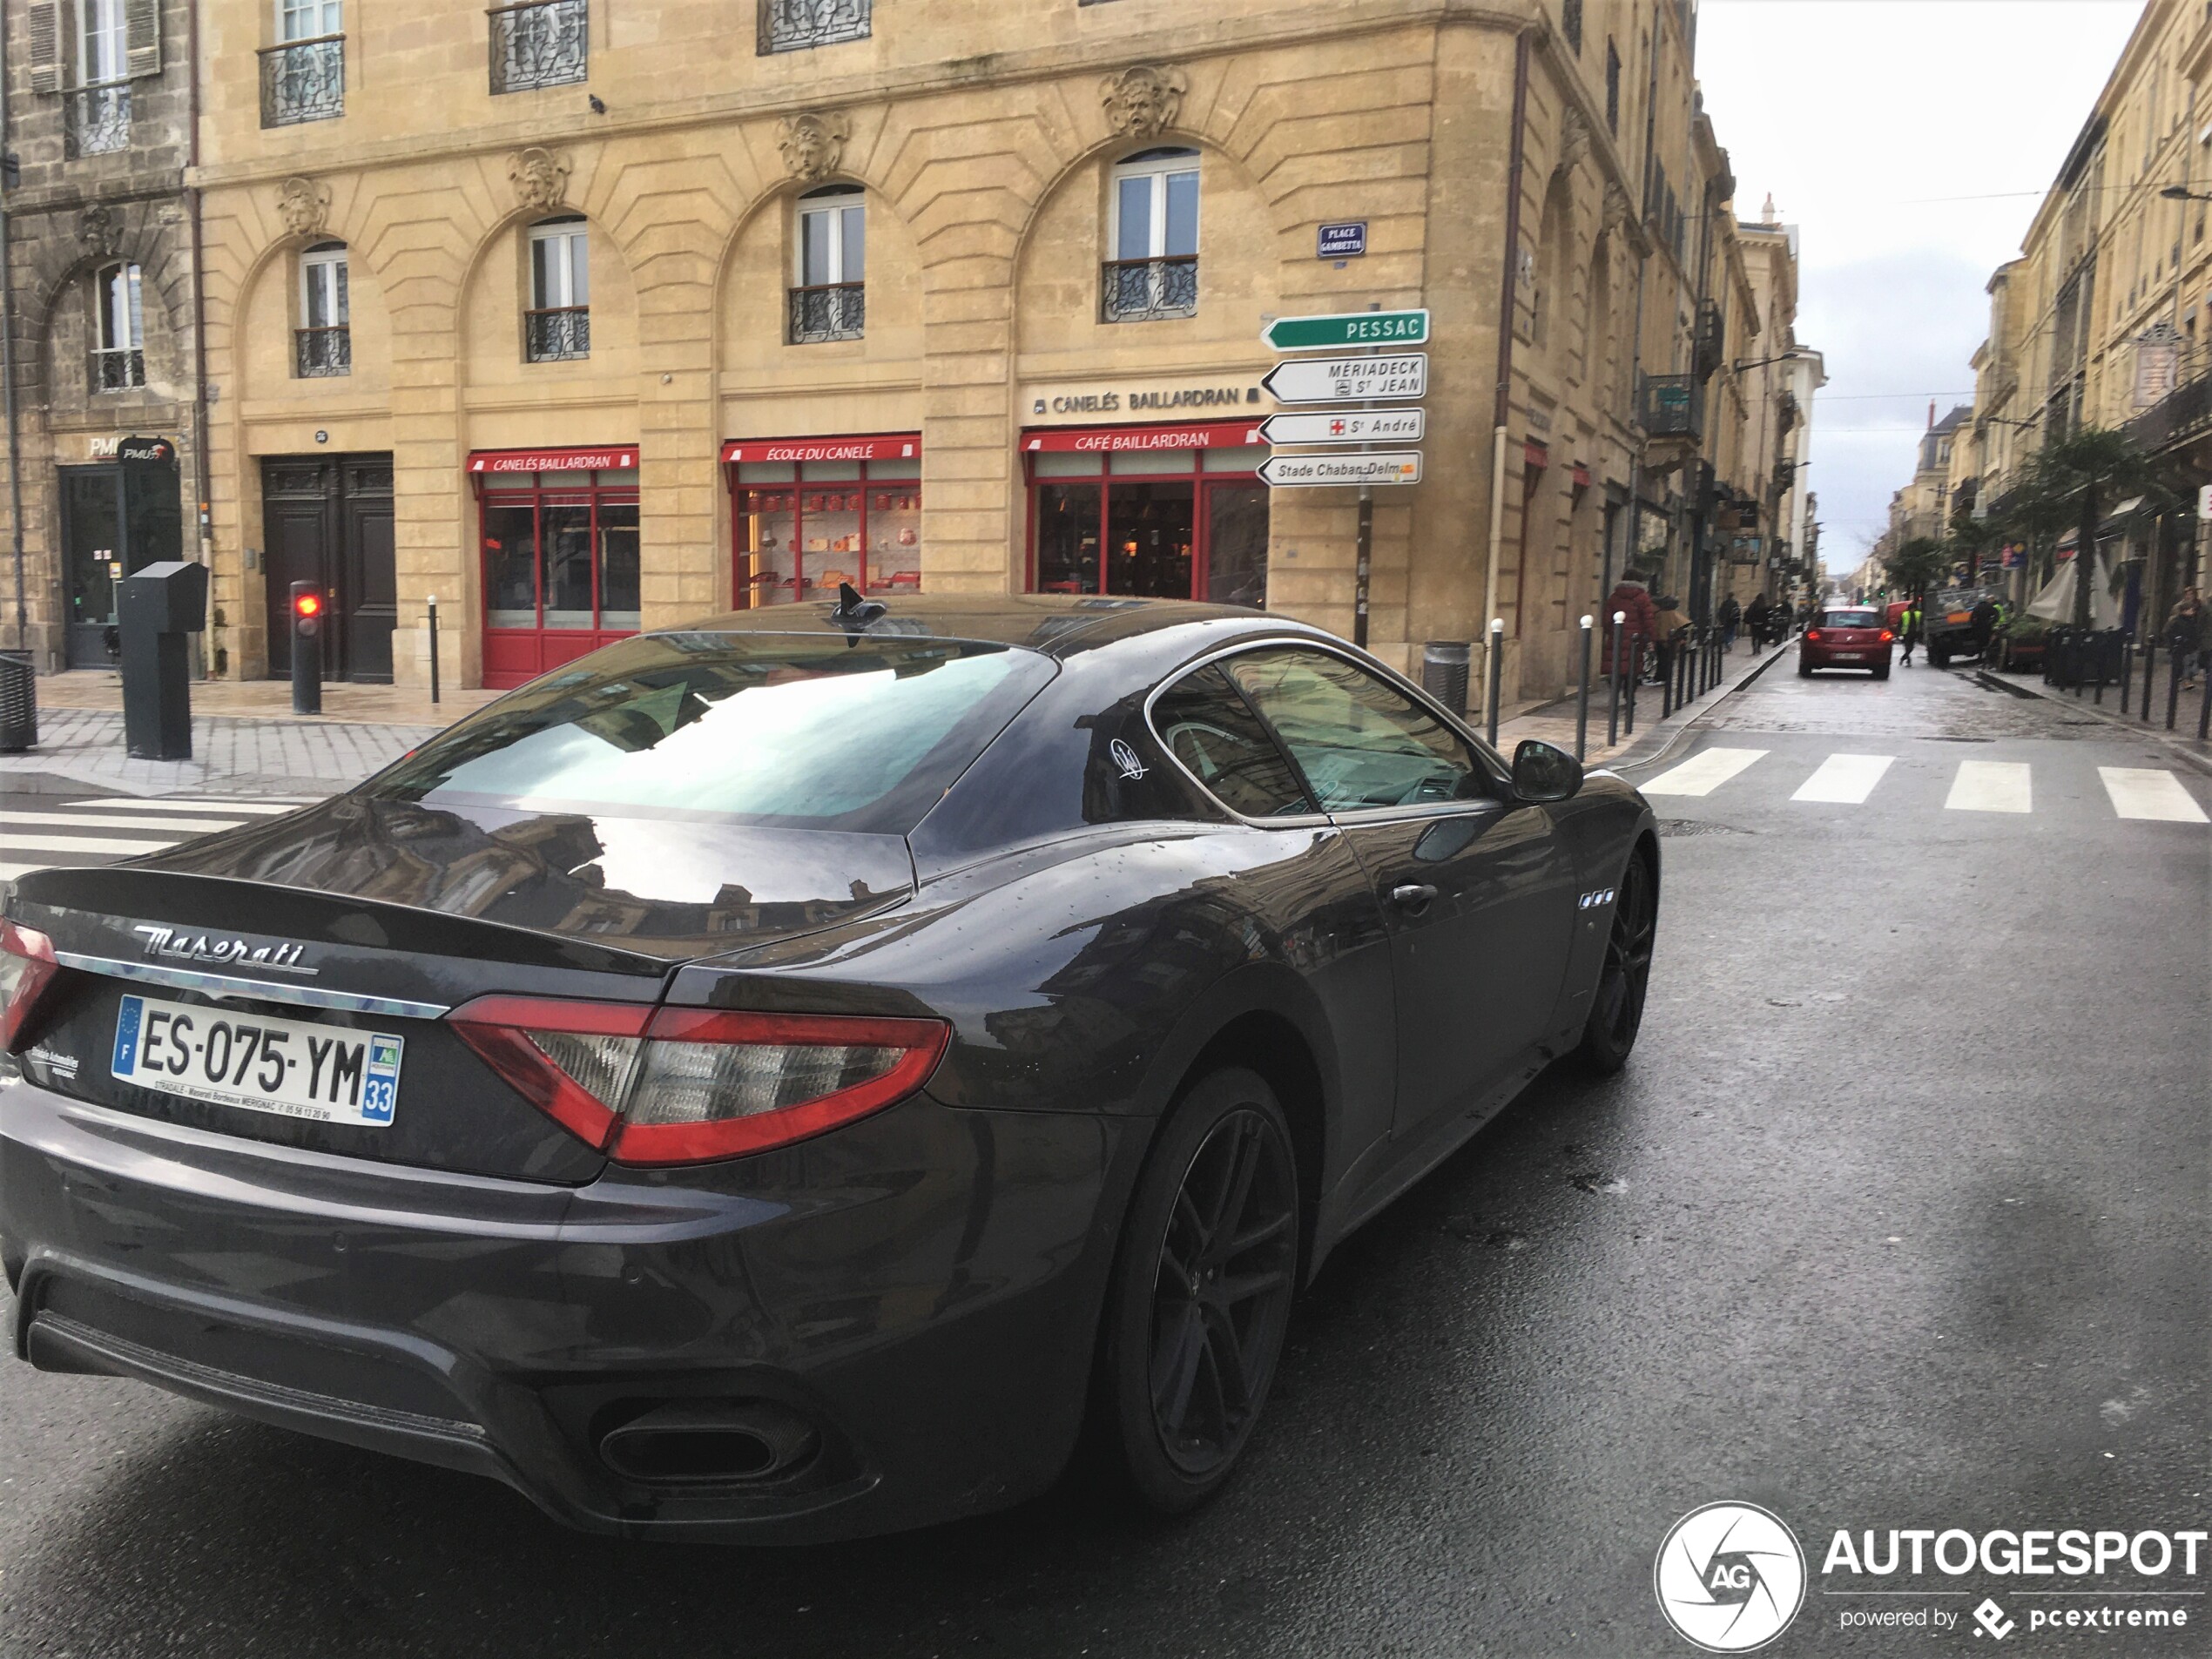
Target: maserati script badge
<point>214,951</point>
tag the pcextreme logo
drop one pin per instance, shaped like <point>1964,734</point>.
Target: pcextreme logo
<point>1729,1577</point>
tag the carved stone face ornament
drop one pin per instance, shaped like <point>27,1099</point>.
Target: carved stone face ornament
<point>540,177</point>
<point>99,227</point>
<point>813,145</point>
<point>304,206</point>
<point>1144,101</point>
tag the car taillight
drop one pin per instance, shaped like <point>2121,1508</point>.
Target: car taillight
<point>27,967</point>
<point>1887,635</point>
<point>1813,636</point>
<point>689,1085</point>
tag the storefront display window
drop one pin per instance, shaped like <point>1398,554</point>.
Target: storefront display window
<point>1150,512</point>
<point>560,556</point>
<point>810,514</point>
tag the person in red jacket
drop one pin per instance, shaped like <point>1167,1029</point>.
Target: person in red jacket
<point>1633,600</point>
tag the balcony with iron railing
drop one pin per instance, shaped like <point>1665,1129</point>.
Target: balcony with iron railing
<point>98,120</point>
<point>1671,405</point>
<point>1147,290</point>
<point>540,43</point>
<point>1710,342</point>
<point>2183,413</point>
<point>556,334</point>
<point>118,369</point>
<point>303,80</point>
<point>798,25</point>
<point>319,354</point>
<point>828,310</point>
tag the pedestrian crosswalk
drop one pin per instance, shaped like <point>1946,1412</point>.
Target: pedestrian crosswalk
<point>1853,779</point>
<point>101,831</point>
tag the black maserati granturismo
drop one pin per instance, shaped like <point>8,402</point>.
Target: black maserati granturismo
<point>799,1074</point>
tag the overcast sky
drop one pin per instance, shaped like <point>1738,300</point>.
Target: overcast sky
<point>1869,120</point>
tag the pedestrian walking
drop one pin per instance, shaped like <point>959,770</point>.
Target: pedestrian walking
<point>1633,600</point>
<point>1982,619</point>
<point>1908,628</point>
<point>1728,616</point>
<point>1669,624</point>
<point>2188,636</point>
<point>1755,617</point>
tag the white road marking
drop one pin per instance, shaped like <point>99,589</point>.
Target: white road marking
<point>1990,786</point>
<point>15,843</point>
<point>1702,773</point>
<point>258,808</point>
<point>108,820</point>
<point>2141,791</point>
<point>1848,779</point>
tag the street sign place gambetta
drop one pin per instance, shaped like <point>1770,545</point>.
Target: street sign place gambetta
<point>1334,471</point>
<point>1338,331</point>
<point>1347,426</point>
<point>1349,380</point>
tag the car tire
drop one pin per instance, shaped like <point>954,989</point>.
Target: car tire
<point>1189,1345</point>
<point>1882,673</point>
<point>1804,669</point>
<point>1624,977</point>
<point>1938,658</point>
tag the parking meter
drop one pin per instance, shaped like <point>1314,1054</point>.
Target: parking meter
<point>307,648</point>
<point>161,604</point>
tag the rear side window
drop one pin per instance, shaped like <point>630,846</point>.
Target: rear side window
<point>1850,619</point>
<point>1203,722</point>
<point>796,731</point>
<point>1361,743</point>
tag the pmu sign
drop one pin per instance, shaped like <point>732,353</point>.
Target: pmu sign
<point>1350,380</point>
<point>1335,331</point>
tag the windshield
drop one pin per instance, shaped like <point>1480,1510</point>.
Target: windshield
<point>1851,619</point>
<point>794,731</point>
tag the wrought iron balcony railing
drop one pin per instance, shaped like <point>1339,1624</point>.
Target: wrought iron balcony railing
<point>795,26</point>
<point>318,354</point>
<point>1671,405</point>
<point>99,119</point>
<point>1142,290</point>
<point>831,311</point>
<point>119,370</point>
<point>540,43</point>
<point>557,334</point>
<point>303,80</point>
<point>2182,413</point>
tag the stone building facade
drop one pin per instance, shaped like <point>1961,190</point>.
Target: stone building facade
<point>586,314</point>
<point>102,313</point>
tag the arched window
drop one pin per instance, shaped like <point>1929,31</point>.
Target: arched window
<point>557,326</point>
<point>1551,263</point>
<point>324,340</point>
<point>119,329</point>
<point>829,294</point>
<point>1154,236</point>
<point>1597,332</point>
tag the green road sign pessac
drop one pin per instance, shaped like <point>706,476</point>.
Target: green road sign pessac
<point>1336,331</point>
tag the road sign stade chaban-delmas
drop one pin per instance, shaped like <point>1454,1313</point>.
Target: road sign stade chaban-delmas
<point>1352,426</point>
<point>1335,331</point>
<point>1350,380</point>
<point>1317,472</point>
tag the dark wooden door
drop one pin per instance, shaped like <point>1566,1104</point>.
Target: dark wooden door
<point>329,522</point>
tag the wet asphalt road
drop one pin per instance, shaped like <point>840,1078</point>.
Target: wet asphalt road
<point>1896,1219</point>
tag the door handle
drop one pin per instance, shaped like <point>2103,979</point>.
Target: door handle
<point>1413,894</point>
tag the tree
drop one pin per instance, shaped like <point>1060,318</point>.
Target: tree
<point>1918,564</point>
<point>2071,481</point>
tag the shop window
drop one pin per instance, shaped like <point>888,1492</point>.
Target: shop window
<point>560,568</point>
<point>118,308</point>
<point>800,528</point>
<point>829,296</point>
<point>323,344</point>
<point>557,326</point>
<point>1154,235</point>
<point>100,104</point>
<point>1180,523</point>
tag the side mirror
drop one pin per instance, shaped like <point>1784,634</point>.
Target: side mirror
<point>1542,773</point>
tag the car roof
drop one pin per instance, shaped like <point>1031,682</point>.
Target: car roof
<point>1059,625</point>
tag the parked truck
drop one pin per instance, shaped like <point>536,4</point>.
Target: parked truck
<point>1948,623</point>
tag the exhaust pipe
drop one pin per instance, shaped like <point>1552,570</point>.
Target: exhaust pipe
<point>709,1443</point>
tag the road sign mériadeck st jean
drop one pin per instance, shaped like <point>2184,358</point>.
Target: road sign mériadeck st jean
<point>1349,380</point>
<point>1352,426</point>
<point>1333,471</point>
<point>1336,331</point>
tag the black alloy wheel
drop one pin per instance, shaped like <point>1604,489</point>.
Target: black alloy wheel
<point>1616,1013</point>
<point>1202,1289</point>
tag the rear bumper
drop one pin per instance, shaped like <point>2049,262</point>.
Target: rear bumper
<point>1865,657</point>
<point>922,1288</point>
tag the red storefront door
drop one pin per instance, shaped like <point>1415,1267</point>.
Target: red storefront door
<point>557,529</point>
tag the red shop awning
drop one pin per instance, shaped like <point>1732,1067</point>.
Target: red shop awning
<point>1210,434</point>
<point>898,446</point>
<point>613,458</point>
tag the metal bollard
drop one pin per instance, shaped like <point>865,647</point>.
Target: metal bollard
<point>2173,688</point>
<point>1496,668</point>
<point>1582,696</point>
<point>2150,671</point>
<point>2097,650</point>
<point>2127,672</point>
<point>434,648</point>
<point>2204,713</point>
<point>307,648</point>
<point>1666,691</point>
<point>1635,675</point>
<point>1613,716</point>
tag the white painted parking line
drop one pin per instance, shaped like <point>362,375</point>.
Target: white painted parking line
<point>2143,791</point>
<point>258,808</point>
<point>13,842</point>
<point>117,820</point>
<point>1990,786</point>
<point>1847,780</point>
<point>1702,773</point>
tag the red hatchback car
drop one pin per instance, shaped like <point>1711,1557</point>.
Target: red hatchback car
<point>1852,638</point>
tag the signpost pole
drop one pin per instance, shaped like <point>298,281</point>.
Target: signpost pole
<point>1363,563</point>
<point>1496,666</point>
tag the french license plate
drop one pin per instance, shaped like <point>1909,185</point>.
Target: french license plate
<point>293,1068</point>
<point>1850,656</point>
